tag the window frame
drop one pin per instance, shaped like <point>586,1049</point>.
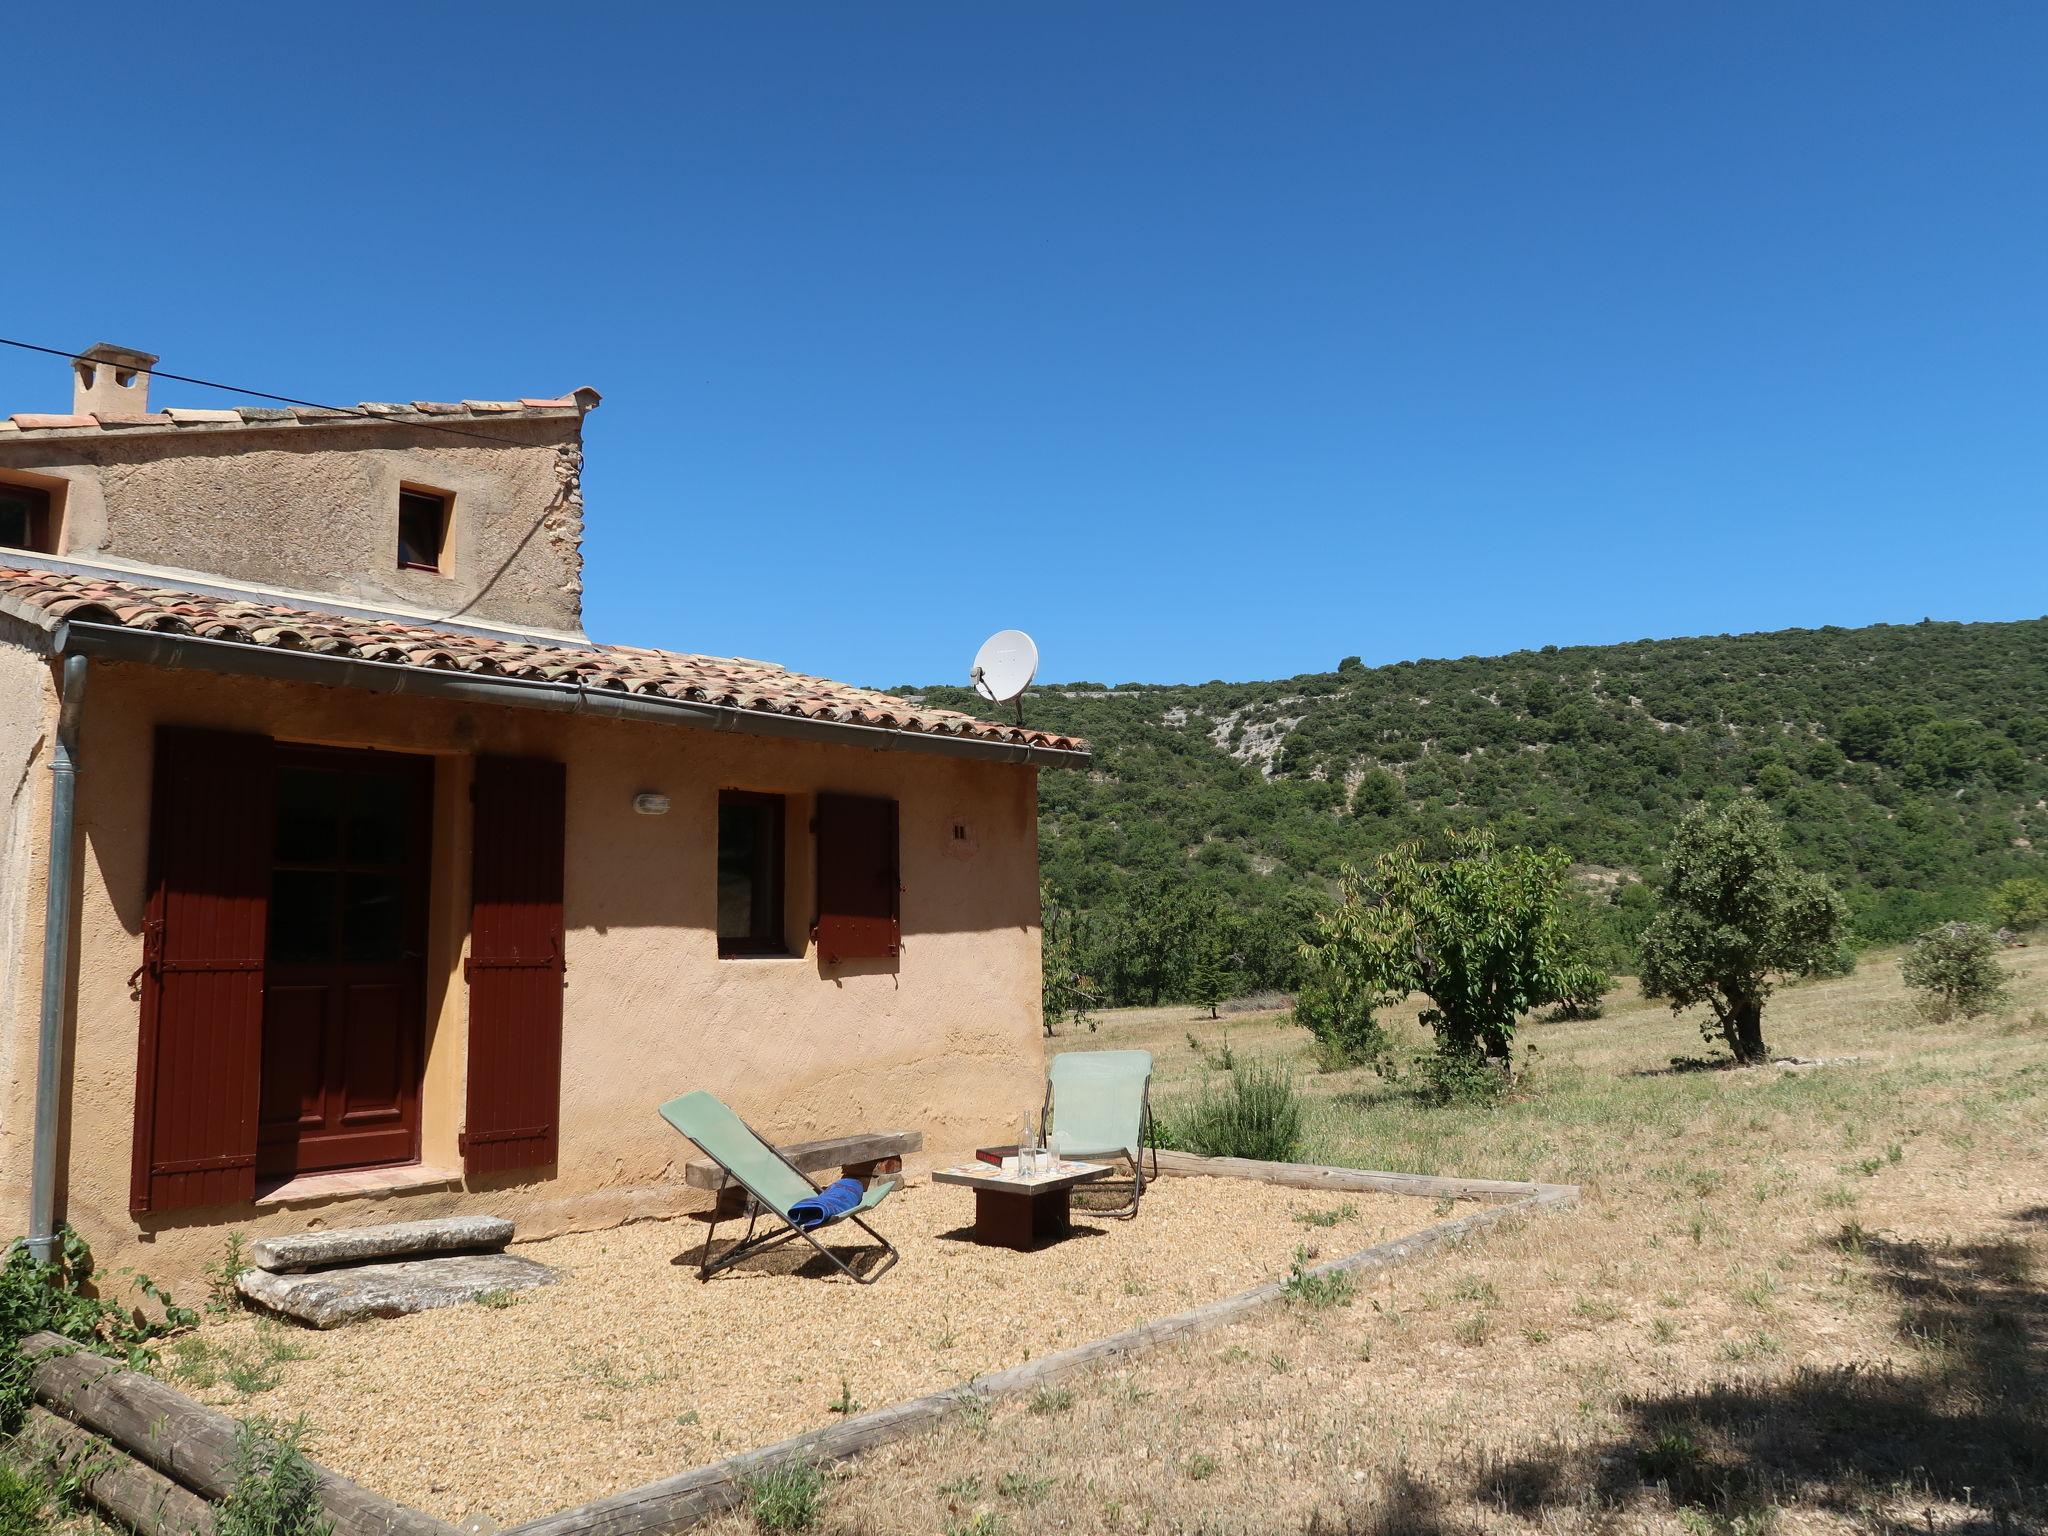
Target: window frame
<point>770,906</point>
<point>40,518</point>
<point>445,501</point>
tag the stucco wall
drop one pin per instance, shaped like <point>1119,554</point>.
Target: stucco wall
<point>315,509</point>
<point>946,1040</point>
<point>27,721</point>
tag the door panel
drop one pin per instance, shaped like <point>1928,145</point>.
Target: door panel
<point>344,1028</point>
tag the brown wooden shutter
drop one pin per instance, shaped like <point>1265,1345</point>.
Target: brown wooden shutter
<point>199,1065</point>
<point>857,879</point>
<point>515,966</point>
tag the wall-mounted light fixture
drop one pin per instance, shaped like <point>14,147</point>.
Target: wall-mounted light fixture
<point>648,803</point>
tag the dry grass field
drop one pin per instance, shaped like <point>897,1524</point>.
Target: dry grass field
<point>1800,1300</point>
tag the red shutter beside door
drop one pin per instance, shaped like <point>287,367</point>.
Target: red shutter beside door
<point>204,929</point>
<point>858,915</point>
<point>515,966</point>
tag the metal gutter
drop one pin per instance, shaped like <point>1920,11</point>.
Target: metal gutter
<point>112,642</point>
<point>57,938</point>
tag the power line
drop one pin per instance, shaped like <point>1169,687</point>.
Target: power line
<point>260,394</point>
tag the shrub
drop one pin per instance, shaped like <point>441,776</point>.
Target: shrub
<point>1955,966</point>
<point>1256,1115</point>
<point>786,1498</point>
<point>1450,1076</point>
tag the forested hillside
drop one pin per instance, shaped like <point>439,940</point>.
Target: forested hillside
<point>1909,764</point>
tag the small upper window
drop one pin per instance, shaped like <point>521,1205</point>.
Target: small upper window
<point>422,530</point>
<point>24,518</point>
<point>749,873</point>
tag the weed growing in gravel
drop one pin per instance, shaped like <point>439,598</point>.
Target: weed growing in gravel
<point>845,1403</point>
<point>1199,1467</point>
<point>497,1301</point>
<point>786,1498</point>
<point>222,1299</point>
<point>1327,1218</point>
<point>1473,1331</point>
<point>987,1523</point>
<point>276,1492</point>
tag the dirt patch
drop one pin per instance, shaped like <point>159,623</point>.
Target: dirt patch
<point>631,1369</point>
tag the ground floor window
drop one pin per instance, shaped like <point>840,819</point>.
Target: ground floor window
<point>750,873</point>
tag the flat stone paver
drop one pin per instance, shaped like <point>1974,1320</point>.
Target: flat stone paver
<point>329,1298</point>
<point>353,1245</point>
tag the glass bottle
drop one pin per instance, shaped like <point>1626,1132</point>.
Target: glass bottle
<point>1026,1164</point>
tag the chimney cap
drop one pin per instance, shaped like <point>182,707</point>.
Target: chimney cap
<point>118,357</point>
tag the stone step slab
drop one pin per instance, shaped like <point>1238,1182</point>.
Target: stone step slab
<point>329,1298</point>
<point>398,1239</point>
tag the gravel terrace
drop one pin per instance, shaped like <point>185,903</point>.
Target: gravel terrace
<point>630,1369</point>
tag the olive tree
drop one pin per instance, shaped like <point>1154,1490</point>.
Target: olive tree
<point>1734,918</point>
<point>1956,966</point>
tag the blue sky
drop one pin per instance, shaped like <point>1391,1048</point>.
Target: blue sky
<point>1199,340</point>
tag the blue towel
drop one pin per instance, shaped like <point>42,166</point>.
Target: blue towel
<point>828,1204</point>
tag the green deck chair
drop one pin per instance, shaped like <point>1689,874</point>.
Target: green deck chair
<point>772,1183</point>
<point>1098,1105</point>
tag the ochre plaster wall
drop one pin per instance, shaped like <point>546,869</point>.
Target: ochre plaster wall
<point>315,509</point>
<point>28,722</point>
<point>946,1040</point>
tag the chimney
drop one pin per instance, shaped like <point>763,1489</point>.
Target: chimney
<point>111,381</point>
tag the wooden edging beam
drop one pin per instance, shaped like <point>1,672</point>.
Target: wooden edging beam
<point>188,1442</point>
<point>675,1503</point>
<point>116,1484</point>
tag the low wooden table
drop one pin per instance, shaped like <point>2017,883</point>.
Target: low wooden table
<point>1013,1212</point>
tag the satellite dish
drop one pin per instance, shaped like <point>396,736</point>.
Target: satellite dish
<point>1004,666</point>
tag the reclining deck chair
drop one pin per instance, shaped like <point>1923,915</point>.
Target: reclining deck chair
<point>1098,1105</point>
<point>772,1184</point>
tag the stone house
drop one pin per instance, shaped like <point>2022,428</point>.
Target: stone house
<point>344,879</point>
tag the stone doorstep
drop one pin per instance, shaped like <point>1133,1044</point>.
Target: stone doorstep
<point>329,1298</point>
<point>398,1239</point>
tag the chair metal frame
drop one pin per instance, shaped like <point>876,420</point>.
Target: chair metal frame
<point>751,1245</point>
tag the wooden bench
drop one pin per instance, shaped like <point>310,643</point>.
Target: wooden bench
<point>864,1156</point>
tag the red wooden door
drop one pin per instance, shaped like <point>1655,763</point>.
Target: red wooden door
<point>202,972</point>
<point>343,1020</point>
<point>516,966</point>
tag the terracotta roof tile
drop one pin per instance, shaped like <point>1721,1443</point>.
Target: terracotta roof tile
<point>730,681</point>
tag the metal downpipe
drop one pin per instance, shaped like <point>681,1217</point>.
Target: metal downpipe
<point>58,908</point>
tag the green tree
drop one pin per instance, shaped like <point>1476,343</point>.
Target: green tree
<point>1213,956</point>
<point>2020,903</point>
<point>1068,993</point>
<point>1956,965</point>
<point>1735,917</point>
<point>1482,933</point>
